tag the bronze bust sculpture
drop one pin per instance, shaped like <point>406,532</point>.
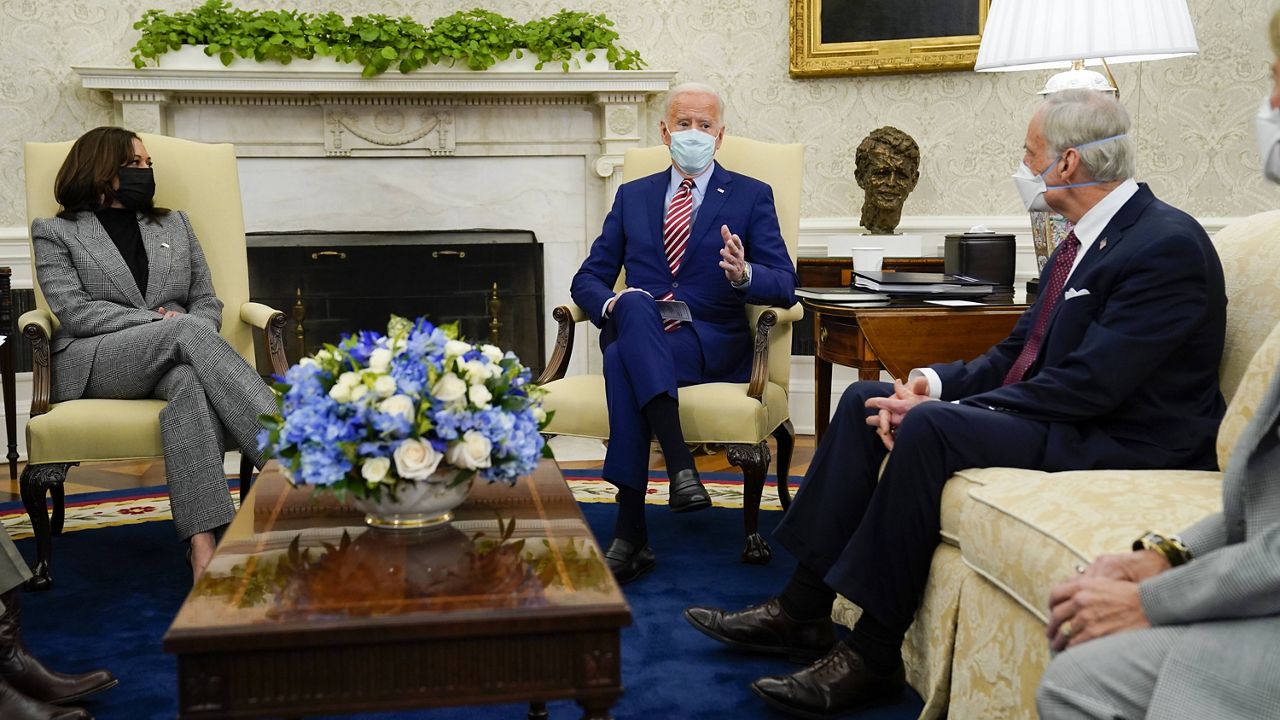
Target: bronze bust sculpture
<point>887,169</point>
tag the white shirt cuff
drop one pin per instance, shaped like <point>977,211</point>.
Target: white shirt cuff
<point>604,311</point>
<point>929,374</point>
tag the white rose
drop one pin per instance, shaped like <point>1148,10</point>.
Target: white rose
<point>324,356</point>
<point>476,371</point>
<point>456,347</point>
<point>349,379</point>
<point>380,360</point>
<point>358,392</point>
<point>401,405</point>
<point>385,386</point>
<point>416,459</point>
<point>306,361</point>
<point>449,388</point>
<point>479,396</point>
<point>374,470</point>
<point>539,415</point>
<point>341,393</point>
<point>492,352</point>
<point>471,452</point>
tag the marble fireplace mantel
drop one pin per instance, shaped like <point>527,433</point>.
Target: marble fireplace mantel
<point>328,150</point>
<point>148,100</point>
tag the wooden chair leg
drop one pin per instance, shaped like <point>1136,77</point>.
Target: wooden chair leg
<point>754,461</point>
<point>785,434</point>
<point>246,476</point>
<point>58,493</point>
<point>36,481</point>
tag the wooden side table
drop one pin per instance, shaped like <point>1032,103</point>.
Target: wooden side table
<point>897,337</point>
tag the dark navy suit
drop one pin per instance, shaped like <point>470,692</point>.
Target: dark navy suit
<point>640,360</point>
<point>1126,377</point>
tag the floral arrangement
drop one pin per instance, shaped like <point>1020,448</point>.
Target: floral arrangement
<point>376,410</point>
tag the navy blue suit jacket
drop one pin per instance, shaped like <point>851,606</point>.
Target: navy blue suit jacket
<point>632,238</point>
<point>1127,375</point>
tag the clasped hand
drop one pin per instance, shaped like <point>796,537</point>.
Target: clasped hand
<point>1101,599</point>
<point>893,409</point>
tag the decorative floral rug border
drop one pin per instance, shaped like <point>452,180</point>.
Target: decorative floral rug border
<point>139,505</point>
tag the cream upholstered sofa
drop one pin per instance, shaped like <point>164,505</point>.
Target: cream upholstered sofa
<point>741,416</point>
<point>977,648</point>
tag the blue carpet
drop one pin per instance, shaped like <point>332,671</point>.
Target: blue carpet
<point>116,590</point>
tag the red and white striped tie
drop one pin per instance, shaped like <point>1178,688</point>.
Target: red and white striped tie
<point>675,236</point>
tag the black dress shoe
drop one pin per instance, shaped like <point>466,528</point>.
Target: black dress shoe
<point>765,628</point>
<point>686,493</point>
<point>837,684</point>
<point>628,562</point>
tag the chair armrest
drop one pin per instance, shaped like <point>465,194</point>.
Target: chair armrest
<point>271,322</point>
<point>37,328</point>
<point>765,321</point>
<point>567,317</point>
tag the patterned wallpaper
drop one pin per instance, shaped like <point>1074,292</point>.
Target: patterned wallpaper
<point>1193,115</point>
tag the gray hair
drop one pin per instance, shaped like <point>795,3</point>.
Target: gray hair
<point>1071,118</point>
<point>693,88</point>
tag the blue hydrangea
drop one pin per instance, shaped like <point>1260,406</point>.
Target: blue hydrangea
<point>323,435</point>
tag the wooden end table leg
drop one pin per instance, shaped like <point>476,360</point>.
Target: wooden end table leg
<point>821,396</point>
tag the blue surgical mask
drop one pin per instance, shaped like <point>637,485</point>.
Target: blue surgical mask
<point>1032,187</point>
<point>692,150</point>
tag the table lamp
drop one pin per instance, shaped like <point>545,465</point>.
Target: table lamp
<point>1042,34</point>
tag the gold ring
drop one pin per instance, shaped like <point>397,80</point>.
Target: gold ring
<point>1080,569</point>
<point>1065,630</point>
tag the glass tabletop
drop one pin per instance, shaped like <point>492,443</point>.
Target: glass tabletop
<point>295,556</point>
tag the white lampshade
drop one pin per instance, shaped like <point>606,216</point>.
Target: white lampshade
<point>1036,34</point>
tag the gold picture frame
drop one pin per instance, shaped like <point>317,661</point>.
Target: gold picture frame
<point>811,57</point>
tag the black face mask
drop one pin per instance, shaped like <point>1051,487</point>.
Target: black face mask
<point>137,188</point>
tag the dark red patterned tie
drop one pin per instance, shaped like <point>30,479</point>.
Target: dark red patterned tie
<point>1049,299</point>
<point>675,236</point>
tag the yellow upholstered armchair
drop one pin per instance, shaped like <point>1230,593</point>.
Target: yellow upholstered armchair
<point>739,415</point>
<point>202,180</point>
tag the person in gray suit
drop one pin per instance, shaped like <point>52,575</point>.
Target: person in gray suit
<point>28,689</point>
<point>1203,608</point>
<point>138,318</point>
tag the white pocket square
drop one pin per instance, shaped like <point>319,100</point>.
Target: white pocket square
<point>1074,293</point>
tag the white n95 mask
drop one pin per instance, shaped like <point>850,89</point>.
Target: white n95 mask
<point>1267,125</point>
<point>1031,187</point>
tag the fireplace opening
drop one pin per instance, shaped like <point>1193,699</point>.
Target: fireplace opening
<point>334,283</point>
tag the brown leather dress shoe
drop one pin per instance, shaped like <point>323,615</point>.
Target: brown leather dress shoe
<point>31,678</point>
<point>765,628</point>
<point>16,706</point>
<point>839,683</point>
<point>686,492</point>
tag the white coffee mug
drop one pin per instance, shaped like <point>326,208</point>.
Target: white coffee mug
<point>868,259</point>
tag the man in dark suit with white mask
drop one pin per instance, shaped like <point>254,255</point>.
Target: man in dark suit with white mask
<point>1115,365</point>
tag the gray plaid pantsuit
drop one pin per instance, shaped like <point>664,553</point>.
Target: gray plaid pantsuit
<point>1214,648</point>
<point>113,343</point>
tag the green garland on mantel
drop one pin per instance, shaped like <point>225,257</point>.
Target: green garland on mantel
<point>473,38</point>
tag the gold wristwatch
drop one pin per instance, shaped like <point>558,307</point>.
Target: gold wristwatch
<point>1171,547</point>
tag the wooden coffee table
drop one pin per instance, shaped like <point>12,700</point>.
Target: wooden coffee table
<point>306,611</point>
